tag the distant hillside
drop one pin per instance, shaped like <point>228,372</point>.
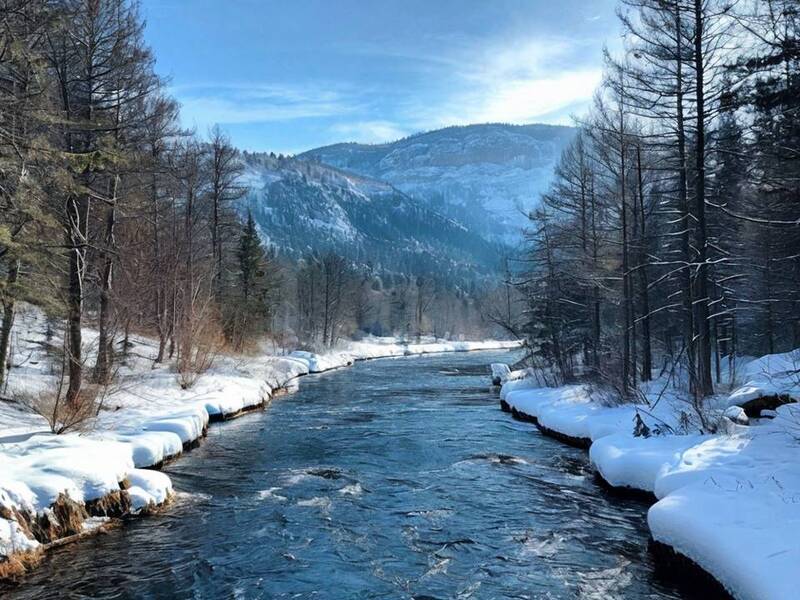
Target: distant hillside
<point>480,174</point>
<point>303,206</point>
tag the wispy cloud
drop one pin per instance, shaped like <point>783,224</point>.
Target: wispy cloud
<point>206,104</point>
<point>368,132</point>
<point>516,81</point>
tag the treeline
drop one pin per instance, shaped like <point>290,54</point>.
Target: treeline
<point>670,238</point>
<point>331,300</point>
<point>113,217</point>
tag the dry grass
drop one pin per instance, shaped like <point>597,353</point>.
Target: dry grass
<point>115,505</point>
<point>62,522</point>
<point>199,347</point>
<point>64,517</point>
<point>63,416</point>
<point>15,566</point>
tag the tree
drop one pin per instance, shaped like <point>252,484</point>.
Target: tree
<point>102,70</point>
<point>224,169</point>
<point>26,169</point>
<point>424,297</point>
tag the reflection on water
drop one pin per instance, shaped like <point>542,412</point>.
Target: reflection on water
<point>393,479</point>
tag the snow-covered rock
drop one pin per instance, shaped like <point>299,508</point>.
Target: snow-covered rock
<point>500,372</point>
<point>737,415</point>
<point>771,376</point>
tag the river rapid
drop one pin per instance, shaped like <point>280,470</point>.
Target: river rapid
<point>396,478</point>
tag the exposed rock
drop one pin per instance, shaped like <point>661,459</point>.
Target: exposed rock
<point>576,442</point>
<point>753,408</point>
<point>624,491</point>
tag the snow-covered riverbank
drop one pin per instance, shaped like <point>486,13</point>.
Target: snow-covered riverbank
<point>56,486</point>
<point>728,502</point>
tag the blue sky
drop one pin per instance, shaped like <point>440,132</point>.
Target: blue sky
<point>289,75</point>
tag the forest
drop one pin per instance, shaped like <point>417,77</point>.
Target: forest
<point>114,216</point>
<point>669,241</point>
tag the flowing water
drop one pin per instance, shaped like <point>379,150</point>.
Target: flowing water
<point>396,478</point>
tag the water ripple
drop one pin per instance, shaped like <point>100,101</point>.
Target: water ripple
<point>417,488</point>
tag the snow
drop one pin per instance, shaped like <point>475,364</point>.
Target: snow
<point>146,418</point>
<point>637,462</point>
<point>770,375</point>
<point>148,488</point>
<point>732,505</point>
<point>36,471</point>
<point>579,411</point>
<point>737,414</point>
<point>519,380</point>
<point>500,373</point>
<point>729,501</point>
<point>13,539</point>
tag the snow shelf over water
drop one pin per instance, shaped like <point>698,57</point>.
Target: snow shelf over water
<point>729,502</point>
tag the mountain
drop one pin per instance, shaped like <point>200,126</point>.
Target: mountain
<point>302,207</point>
<point>478,174</point>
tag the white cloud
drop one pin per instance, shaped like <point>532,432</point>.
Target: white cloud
<point>454,81</point>
<point>204,105</point>
<point>368,132</point>
<point>522,100</point>
<point>517,81</point>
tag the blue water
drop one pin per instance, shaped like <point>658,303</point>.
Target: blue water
<point>393,479</point>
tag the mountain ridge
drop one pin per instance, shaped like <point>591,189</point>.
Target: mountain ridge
<point>481,174</point>
<point>303,207</point>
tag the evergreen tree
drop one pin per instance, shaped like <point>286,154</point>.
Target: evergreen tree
<point>251,260</point>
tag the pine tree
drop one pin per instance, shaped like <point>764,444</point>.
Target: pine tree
<point>251,259</point>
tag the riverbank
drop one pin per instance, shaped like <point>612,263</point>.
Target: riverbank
<point>389,479</point>
<point>727,503</point>
<point>61,487</point>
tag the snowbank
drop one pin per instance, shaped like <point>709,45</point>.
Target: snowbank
<point>625,461</point>
<point>773,375</point>
<point>576,411</point>
<point>387,348</point>
<point>147,419</point>
<point>729,502</point>
<point>732,505</point>
<point>519,380</point>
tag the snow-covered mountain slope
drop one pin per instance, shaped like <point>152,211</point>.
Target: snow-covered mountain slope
<point>302,207</point>
<point>480,173</point>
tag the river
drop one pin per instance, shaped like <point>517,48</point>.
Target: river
<point>396,478</point>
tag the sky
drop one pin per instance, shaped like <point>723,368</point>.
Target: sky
<point>290,75</point>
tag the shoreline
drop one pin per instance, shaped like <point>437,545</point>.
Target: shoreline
<point>670,563</point>
<point>709,493</point>
<point>64,521</point>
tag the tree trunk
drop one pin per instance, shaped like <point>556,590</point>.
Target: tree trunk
<point>647,354</point>
<point>103,363</point>
<point>8,321</point>
<point>596,325</point>
<point>683,207</point>
<point>626,344</point>
<point>77,209</point>
<point>705,385</point>
<point>160,277</point>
